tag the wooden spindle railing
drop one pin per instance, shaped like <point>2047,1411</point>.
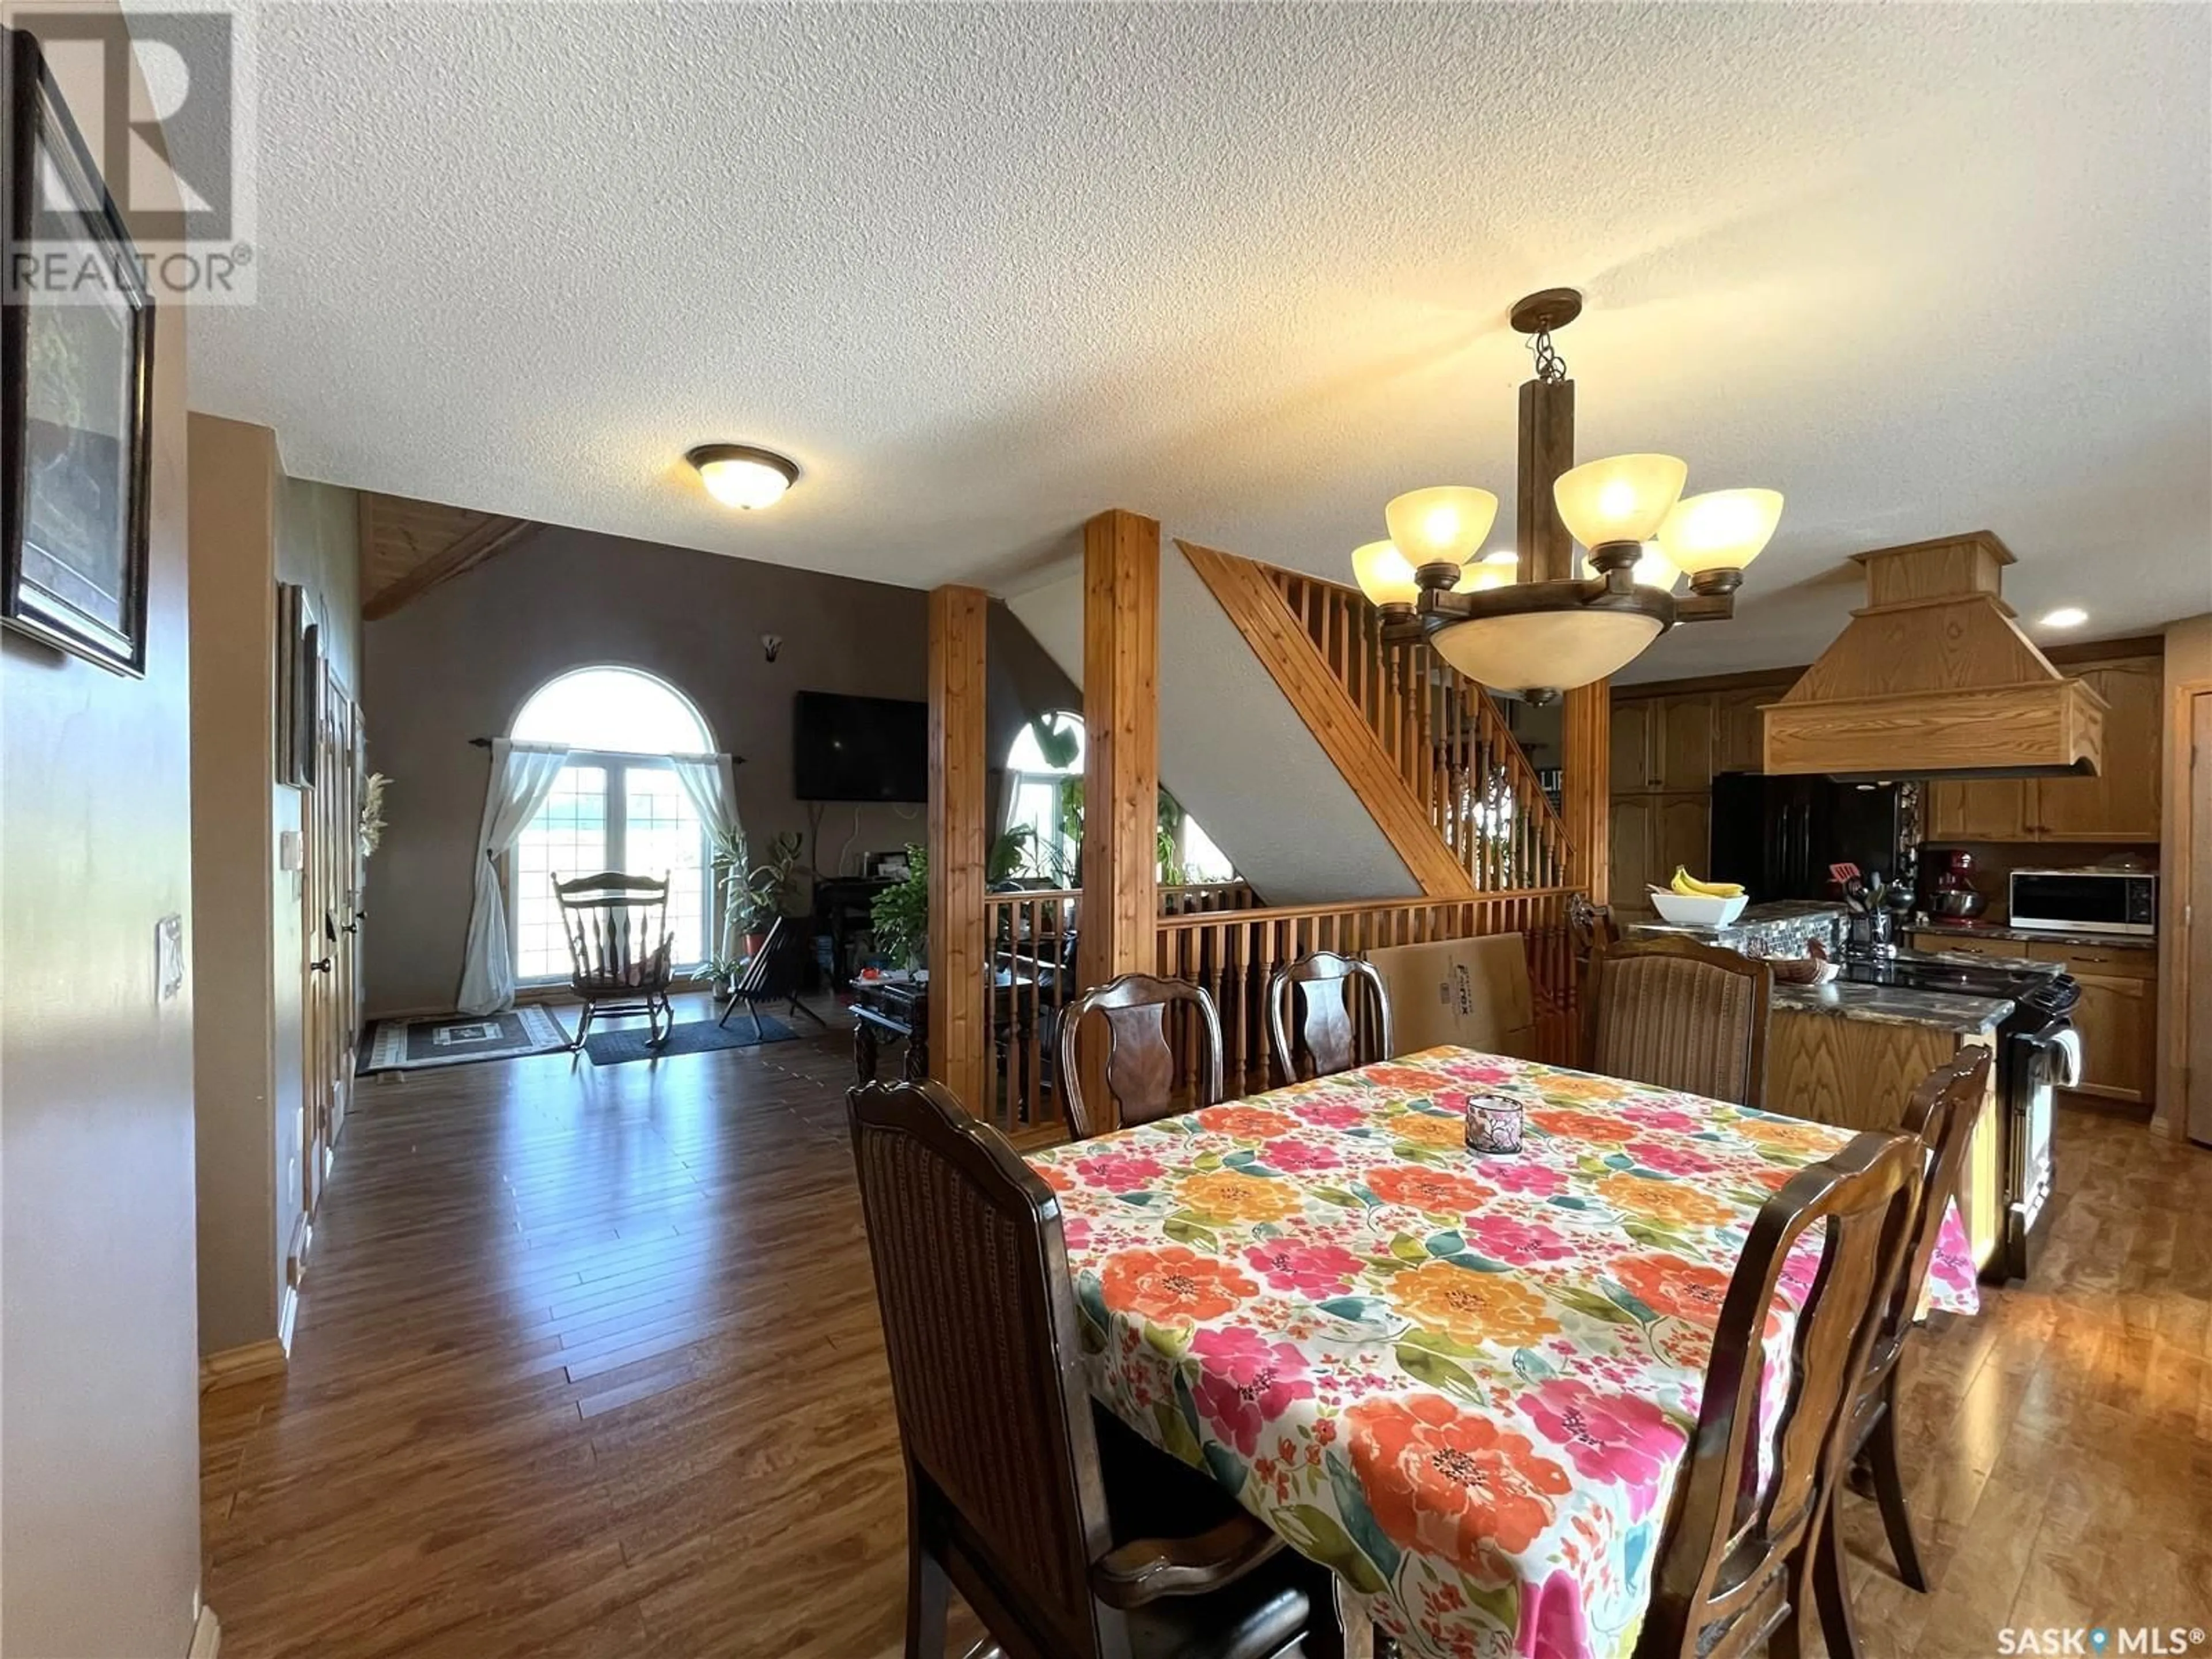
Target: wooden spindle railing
<point>1233,953</point>
<point>1192,898</point>
<point>1452,745</point>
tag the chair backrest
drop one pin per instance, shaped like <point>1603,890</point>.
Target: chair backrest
<point>1678,1014</point>
<point>1734,1553</point>
<point>1334,1034</point>
<point>1591,925</point>
<point>1941,1114</point>
<point>616,924</point>
<point>1140,1057</point>
<point>980,1325</point>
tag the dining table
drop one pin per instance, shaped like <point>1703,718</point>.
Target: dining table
<point>1465,1382</point>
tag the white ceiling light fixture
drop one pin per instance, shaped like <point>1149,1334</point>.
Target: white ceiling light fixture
<point>1537,638</point>
<point>2066,616</point>
<point>741,475</point>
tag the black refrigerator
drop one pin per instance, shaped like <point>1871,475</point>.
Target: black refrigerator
<point>1777,835</point>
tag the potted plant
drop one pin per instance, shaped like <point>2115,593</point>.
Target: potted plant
<point>767,888</point>
<point>753,896</point>
<point>900,916</point>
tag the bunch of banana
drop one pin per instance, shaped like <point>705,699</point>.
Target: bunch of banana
<point>1690,887</point>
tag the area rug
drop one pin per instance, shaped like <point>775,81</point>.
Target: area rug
<point>407,1045</point>
<point>699,1037</point>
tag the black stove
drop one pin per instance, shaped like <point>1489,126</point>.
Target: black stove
<point>2036,1052</point>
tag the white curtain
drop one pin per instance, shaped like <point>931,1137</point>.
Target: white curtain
<point>522,776</point>
<point>711,782</point>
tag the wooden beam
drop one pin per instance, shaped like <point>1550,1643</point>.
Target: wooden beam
<point>1548,555</point>
<point>1122,763</point>
<point>959,1034</point>
<point>465,552</point>
<point>1289,654</point>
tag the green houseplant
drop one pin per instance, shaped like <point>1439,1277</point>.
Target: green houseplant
<point>753,896</point>
<point>900,916</point>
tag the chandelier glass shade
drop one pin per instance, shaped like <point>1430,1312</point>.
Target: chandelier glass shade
<point>1723,530</point>
<point>1554,648</point>
<point>1447,522</point>
<point>1623,498</point>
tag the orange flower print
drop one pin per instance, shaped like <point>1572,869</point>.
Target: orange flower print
<point>1439,1192</point>
<point>1247,1122</point>
<point>1426,1129</point>
<point>1054,1178</point>
<point>1668,1284</point>
<point>1232,1195</point>
<point>1662,1200</point>
<point>1471,1307</point>
<point>1577,1123</point>
<point>1573,1085</point>
<point>1450,1483</point>
<point>1787,1135</point>
<point>1172,1285</point>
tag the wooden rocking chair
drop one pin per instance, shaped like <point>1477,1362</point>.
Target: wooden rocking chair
<point>619,946</point>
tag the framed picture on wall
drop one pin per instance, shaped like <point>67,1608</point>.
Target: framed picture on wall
<point>299,685</point>
<point>77,384</point>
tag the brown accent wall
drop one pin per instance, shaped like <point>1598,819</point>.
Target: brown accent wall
<point>460,661</point>
<point>99,1366</point>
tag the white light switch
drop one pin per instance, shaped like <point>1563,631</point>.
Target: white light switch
<point>291,850</point>
<point>169,958</point>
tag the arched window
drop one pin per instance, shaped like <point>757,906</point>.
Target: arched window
<point>617,806</point>
<point>1044,792</point>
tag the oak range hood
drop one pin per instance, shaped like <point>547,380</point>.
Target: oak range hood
<point>1933,679</point>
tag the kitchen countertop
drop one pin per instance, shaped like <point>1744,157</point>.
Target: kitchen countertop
<point>2041,936</point>
<point>1896,1004</point>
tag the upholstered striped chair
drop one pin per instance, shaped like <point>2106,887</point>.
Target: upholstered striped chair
<point>1678,1014</point>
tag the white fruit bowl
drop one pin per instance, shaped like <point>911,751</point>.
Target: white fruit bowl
<point>1692,911</point>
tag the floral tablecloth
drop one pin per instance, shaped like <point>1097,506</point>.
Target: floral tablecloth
<point>1464,1383</point>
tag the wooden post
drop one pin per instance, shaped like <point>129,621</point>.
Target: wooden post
<point>1548,554</point>
<point>1120,915</point>
<point>959,1029</point>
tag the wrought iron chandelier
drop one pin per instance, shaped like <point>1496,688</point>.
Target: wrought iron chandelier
<point>1557,630</point>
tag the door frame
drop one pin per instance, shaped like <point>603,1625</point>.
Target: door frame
<point>2185,1047</point>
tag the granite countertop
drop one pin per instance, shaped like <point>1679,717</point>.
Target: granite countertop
<point>1896,1004</point>
<point>2044,936</point>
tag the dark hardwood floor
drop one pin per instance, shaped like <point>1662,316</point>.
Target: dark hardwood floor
<point>588,1363</point>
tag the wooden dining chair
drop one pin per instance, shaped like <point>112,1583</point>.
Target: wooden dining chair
<point>1335,1032</point>
<point>1941,1114</point>
<point>1140,1057</point>
<point>1741,1556</point>
<point>1678,1014</point>
<point>1007,1500</point>
<point>619,948</point>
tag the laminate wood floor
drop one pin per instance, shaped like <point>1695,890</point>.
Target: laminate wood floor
<point>588,1363</point>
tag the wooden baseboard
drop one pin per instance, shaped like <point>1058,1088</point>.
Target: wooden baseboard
<point>207,1635</point>
<point>246,1365</point>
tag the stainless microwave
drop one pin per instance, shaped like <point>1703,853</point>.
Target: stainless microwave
<point>2085,901</point>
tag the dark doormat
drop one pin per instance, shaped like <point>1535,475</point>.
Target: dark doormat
<point>698,1037</point>
<point>406,1045</point>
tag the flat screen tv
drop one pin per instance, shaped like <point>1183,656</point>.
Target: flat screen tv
<point>859,748</point>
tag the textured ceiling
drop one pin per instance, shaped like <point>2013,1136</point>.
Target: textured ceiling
<point>984,270</point>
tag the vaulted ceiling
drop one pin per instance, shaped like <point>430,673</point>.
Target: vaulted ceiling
<point>983,270</point>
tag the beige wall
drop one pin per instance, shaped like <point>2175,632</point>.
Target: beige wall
<point>252,526</point>
<point>459,662</point>
<point>99,1436</point>
<point>2188,671</point>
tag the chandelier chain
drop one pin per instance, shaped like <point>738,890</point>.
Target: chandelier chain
<point>1550,367</point>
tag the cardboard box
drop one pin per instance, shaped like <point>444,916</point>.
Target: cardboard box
<point>1468,993</point>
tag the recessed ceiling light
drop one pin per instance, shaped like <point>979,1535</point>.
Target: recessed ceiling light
<point>2066,616</point>
<point>738,475</point>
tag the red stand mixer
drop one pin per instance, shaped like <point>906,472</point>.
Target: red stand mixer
<point>1950,897</point>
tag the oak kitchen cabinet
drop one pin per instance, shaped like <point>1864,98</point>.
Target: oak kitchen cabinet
<point>1667,749</point>
<point>1663,745</point>
<point>2119,805</point>
<point>1650,836</point>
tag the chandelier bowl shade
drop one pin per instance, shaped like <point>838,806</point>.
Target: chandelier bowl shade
<point>1720,530</point>
<point>1622,498</point>
<point>1447,521</point>
<point>1382,573</point>
<point>1546,650</point>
